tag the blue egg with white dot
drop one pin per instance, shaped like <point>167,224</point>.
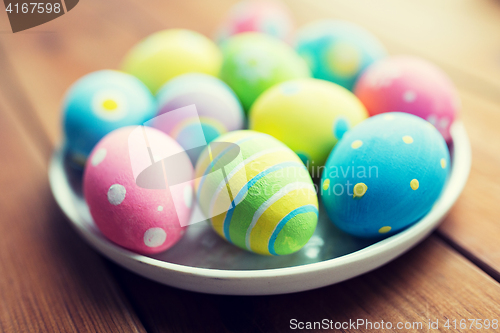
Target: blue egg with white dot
<point>384,175</point>
<point>99,103</point>
<point>337,51</point>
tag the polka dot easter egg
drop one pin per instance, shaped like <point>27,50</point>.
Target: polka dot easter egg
<point>218,110</point>
<point>254,62</point>
<point>142,216</point>
<point>274,207</point>
<point>337,51</point>
<point>266,16</point>
<point>308,115</point>
<point>169,53</point>
<point>412,85</point>
<point>384,175</point>
<point>99,103</point>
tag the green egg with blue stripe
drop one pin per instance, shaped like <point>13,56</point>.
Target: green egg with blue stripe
<point>269,199</point>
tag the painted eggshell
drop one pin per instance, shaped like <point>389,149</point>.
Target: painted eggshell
<point>411,85</point>
<point>266,16</point>
<point>99,103</point>
<point>384,175</point>
<point>337,51</point>
<point>274,207</point>
<point>144,219</point>
<point>168,53</point>
<point>216,104</point>
<point>254,62</point>
<point>308,115</point>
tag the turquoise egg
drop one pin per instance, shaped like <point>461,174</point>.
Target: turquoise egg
<point>384,175</point>
<point>99,103</point>
<point>337,51</point>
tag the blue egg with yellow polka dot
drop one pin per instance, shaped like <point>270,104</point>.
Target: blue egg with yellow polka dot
<point>99,103</point>
<point>384,175</point>
<point>337,51</point>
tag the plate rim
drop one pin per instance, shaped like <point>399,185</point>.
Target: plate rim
<point>460,169</point>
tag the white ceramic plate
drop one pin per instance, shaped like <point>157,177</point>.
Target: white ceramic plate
<point>204,262</point>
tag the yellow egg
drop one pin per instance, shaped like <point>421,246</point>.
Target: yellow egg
<point>308,115</point>
<point>168,53</point>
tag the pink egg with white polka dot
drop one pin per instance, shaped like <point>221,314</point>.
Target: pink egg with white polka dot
<point>139,189</point>
<point>411,85</point>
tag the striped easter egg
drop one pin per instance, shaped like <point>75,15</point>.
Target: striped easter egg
<point>268,200</point>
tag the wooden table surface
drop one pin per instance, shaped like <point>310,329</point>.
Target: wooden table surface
<point>52,281</point>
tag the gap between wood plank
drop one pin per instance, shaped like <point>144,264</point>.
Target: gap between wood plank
<point>469,255</point>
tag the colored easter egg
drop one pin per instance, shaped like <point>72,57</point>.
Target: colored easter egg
<point>131,206</point>
<point>384,175</point>
<point>266,16</point>
<point>337,51</point>
<point>411,85</point>
<point>254,62</point>
<point>99,103</point>
<point>168,53</point>
<point>308,115</point>
<point>218,110</point>
<point>273,206</point>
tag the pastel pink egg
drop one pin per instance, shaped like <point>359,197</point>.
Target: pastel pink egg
<point>272,17</point>
<point>127,194</point>
<point>411,85</point>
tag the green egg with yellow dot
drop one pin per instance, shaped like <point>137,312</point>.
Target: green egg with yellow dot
<point>308,115</point>
<point>384,175</point>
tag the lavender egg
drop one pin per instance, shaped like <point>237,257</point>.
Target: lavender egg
<point>217,111</point>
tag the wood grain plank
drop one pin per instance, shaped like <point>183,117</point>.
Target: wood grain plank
<point>472,224</point>
<point>461,36</point>
<point>51,281</point>
<point>431,282</point>
<point>62,57</point>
